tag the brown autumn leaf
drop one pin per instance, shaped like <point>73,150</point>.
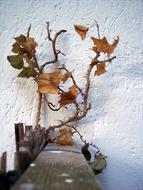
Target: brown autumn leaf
<point>21,39</point>
<point>48,82</point>
<point>69,97</point>
<point>65,137</point>
<point>81,30</point>
<point>66,76</point>
<point>102,45</point>
<point>24,46</point>
<point>100,69</point>
<point>30,45</point>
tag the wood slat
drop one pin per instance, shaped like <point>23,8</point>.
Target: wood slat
<point>58,168</point>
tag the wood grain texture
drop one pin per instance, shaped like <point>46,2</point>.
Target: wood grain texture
<point>58,168</point>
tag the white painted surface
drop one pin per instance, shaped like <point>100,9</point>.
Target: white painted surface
<point>115,122</point>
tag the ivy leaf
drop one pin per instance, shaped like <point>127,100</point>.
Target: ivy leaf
<point>102,45</point>
<point>86,152</point>
<point>16,61</point>
<point>100,69</point>
<point>99,164</point>
<point>69,97</point>
<point>49,82</point>
<point>28,72</point>
<point>65,137</point>
<point>81,30</point>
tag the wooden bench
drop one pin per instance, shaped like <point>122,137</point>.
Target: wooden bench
<point>58,168</point>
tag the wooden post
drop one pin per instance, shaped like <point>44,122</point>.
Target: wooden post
<point>19,134</point>
<point>3,161</point>
<point>28,145</point>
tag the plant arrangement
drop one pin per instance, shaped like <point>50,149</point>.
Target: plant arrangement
<point>53,83</point>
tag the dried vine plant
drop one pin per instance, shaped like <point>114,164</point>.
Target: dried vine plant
<point>25,60</point>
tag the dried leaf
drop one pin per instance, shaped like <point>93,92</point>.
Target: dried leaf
<point>102,45</point>
<point>66,76</point>
<point>27,72</point>
<point>69,97</point>
<point>65,137</point>
<point>81,30</point>
<point>24,46</point>
<point>15,47</point>
<point>30,45</point>
<point>20,39</point>
<point>100,69</point>
<point>48,82</point>
<point>98,165</point>
<point>100,157</point>
<point>16,61</point>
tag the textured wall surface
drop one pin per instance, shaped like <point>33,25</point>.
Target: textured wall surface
<point>115,122</point>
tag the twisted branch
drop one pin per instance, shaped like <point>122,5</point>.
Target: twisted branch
<point>53,41</point>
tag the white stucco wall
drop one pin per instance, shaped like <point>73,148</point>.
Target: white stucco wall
<point>115,122</point>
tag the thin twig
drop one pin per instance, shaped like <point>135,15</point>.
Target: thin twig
<point>36,63</point>
<point>96,61</point>
<point>34,56</point>
<point>72,77</point>
<point>48,31</point>
<point>28,31</point>
<point>98,31</point>
<point>53,41</point>
<point>83,140</point>
<point>50,105</point>
<point>39,110</point>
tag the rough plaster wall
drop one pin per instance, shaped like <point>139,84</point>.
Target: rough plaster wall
<point>115,121</point>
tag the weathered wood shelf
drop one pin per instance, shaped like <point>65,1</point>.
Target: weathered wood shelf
<point>58,168</point>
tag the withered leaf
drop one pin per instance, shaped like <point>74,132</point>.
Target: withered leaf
<point>30,45</point>
<point>27,72</point>
<point>48,82</point>
<point>81,30</point>
<point>100,69</point>
<point>65,137</point>
<point>15,47</point>
<point>24,46</point>
<point>99,163</point>
<point>69,97</point>
<point>66,76</point>
<point>102,45</point>
<point>21,39</point>
<point>100,157</point>
<point>16,61</point>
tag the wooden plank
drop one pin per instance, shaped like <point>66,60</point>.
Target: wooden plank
<point>58,168</point>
